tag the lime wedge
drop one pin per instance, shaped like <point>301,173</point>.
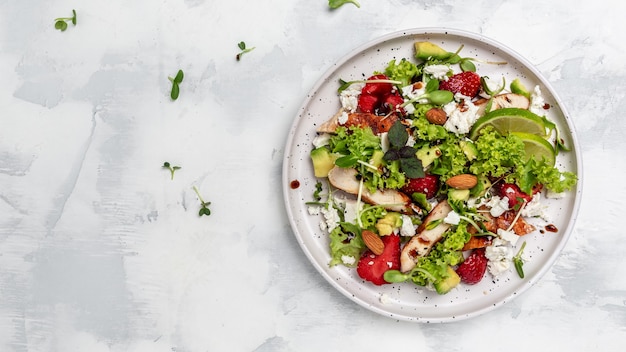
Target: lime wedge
<point>537,147</point>
<point>508,120</point>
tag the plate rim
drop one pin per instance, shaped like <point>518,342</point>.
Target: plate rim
<point>424,31</point>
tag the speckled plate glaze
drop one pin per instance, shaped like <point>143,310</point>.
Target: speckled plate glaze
<point>407,301</point>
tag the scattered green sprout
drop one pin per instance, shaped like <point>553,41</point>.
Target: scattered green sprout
<point>204,206</point>
<point>167,165</point>
<point>333,4</point>
<point>244,49</point>
<point>519,262</point>
<point>175,82</point>
<point>61,22</point>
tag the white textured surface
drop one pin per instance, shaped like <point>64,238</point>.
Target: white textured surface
<point>101,251</point>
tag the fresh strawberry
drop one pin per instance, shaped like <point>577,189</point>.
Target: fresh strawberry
<point>428,185</point>
<point>467,83</point>
<point>368,103</point>
<point>514,194</point>
<point>473,267</point>
<point>377,89</point>
<point>372,267</point>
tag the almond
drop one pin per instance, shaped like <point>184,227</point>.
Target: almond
<point>373,242</point>
<point>463,181</point>
<point>436,116</point>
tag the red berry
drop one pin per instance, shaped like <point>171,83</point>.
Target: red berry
<point>467,83</point>
<point>377,89</point>
<point>428,185</point>
<point>368,103</point>
<point>514,194</point>
<point>372,267</point>
<point>392,102</point>
<point>473,268</point>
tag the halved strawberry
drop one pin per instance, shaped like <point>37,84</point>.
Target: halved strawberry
<point>392,102</point>
<point>514,194</point>
<point>368,103</point>
<point>467,83</point>
<point>428,185</point>
<point>372,267</point>
<point>473,267</point>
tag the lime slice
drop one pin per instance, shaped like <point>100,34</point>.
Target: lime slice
<point>537,147</point>
<point>508,120</point>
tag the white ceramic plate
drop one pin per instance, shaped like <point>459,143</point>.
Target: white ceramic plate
<point>407,301</point>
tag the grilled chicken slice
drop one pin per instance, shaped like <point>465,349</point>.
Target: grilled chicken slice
<point>378,124</point>
<point>345,180</point>
<point>507,100</point>
<point>421,243</point>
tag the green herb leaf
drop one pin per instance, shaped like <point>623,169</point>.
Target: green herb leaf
<point>412,167</point>
<point>392,276</point>
<point>333,4</point>
<point>60,25</point>
<point>347,161</point>
<point>398,136</point>
<point>467,65</point>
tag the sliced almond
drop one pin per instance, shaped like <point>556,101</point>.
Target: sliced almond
<point>373,242</point>
<point>463,181</point>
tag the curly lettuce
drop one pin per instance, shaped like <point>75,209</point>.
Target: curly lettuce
<point>403,71</point>
<point>345,241</point>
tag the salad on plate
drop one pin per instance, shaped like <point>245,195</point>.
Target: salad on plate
<point>433,174</point>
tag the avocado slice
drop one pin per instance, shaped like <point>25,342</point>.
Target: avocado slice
<point>469,149</point>
<point>518,87</point>
<point>323,161</point>
<point>444,286</point>
<point>481,187</point>
<point>388,223</point>
<point>459,194</point>
<point>427,50</point>
<point>428,154</point>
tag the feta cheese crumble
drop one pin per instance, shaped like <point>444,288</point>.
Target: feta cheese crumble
<point>452,218</point>
<point>537,102</point>
<point>408,228</point>
<point>350,97</point>
<point>499,256</point>
<point>462,114</point>
<point>439,72</point>
<point>498,206</point>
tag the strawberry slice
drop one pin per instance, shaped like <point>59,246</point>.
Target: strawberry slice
<point>466,83</point>
<point>428,185</point>
<point>473,268</point>
<point>377,89</point>
<point>372,267</point>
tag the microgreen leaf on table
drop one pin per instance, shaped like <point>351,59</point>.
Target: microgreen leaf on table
<point>61,22</point>
<point>334,4</point>
<point>172,169</point>
<point>175,84</point>
<point>244,49</point>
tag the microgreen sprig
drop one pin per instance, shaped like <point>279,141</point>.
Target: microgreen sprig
<point>61,22</point>
<point>343,85</point>
<point>244,49</point>
<point>167,165</point>
<point>204,210</point>
<point>334,4</point>
<point>519,262</point>
<point>175,82</point>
